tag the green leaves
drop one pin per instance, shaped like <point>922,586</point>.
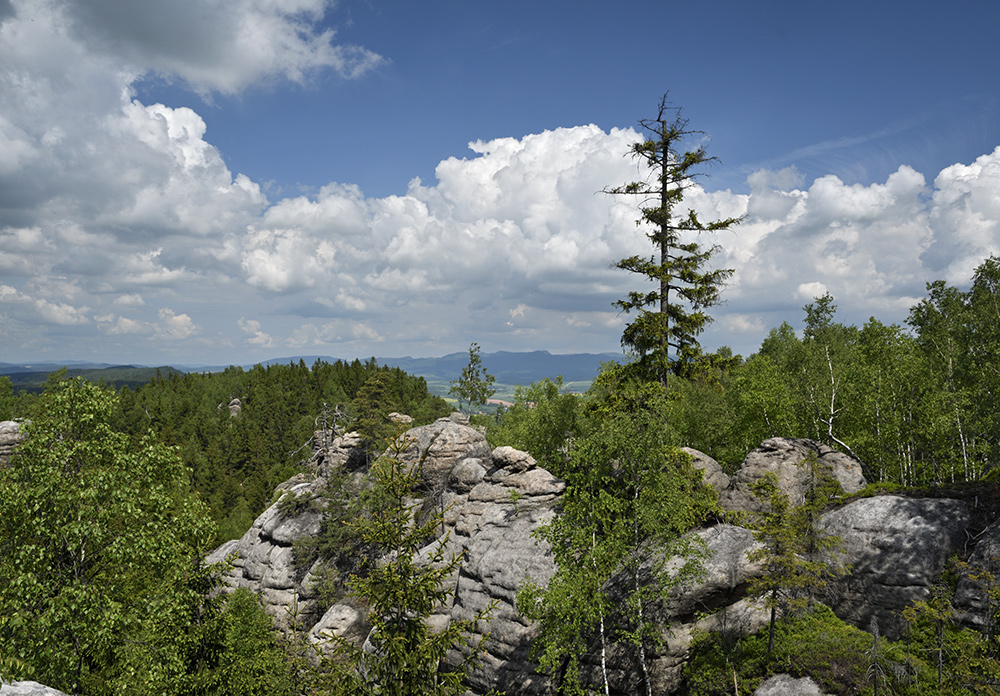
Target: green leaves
<point>543,421</point>
<point>475,386</point>
<point>670,317</point>
<point>402,590</point>
<point>93,528</point>
<point>630,498</point>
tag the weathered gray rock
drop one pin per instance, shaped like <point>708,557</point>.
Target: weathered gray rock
<point>512,460</point>
<point>466,475</point>
<point>264,558</point>
<point>726,571</point>
<point>501,554</point>
<point>972,594</point>
<point>495,501</point>
<point>11,434</point>
<point>896,549</point>
<point>711,471</point>
<point>784,457</point>
<point>787,685</point>
<point>346,619</point>
<point>441,445</point>
<point>28,688</point>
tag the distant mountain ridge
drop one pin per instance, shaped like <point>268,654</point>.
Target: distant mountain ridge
<point>506,366</point>
<point>32,377</point>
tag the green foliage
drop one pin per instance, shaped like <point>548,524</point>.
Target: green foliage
<point>763,401</point>
<point>815,644</point>
<point>963,661</point>
<point>7,399</point>
<point>372,406</point>
<point>913,404</point>
<point>936,657</point>
<point>672,315</point>
<point>403,593</point>
<point>252,663</point>
<point>791,544</point>
<point>238,460</point>
<point>630,498</point>
<point>337,545</point>
<point>475,386</point>
<point>543,421</point>
<point>96,531</point>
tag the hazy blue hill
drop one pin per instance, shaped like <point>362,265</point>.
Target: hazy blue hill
<point>507,367</point>
<point>49,366</point>
<point>31,378</point>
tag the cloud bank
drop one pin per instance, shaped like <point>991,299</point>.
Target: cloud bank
<point>125,237</point>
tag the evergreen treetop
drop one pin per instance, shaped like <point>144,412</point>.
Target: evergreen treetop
<point>664,335</point>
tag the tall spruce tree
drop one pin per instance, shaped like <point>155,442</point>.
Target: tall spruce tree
<point>672,314</point>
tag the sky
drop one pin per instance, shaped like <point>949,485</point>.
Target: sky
<point>228,181</point>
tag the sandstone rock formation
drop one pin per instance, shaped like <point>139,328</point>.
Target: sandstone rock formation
<point>264,560</point>
<point>493,503</point>
<point>784,457</point>
<point>786,685</point>
<point>495,500</point>
<point>27,688</point>
<point>10,435</point>
<point>896,549</point>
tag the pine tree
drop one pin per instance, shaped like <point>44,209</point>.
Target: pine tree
<point>792,544</point>
<point>402,594</point>
<point>475,386</point>
<point>672,315</point>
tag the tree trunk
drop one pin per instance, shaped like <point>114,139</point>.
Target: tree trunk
<point>774,614</point>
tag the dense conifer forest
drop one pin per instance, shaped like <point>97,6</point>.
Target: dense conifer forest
<point>236,458</point>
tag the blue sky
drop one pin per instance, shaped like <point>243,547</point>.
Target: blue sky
<point>193,182</point>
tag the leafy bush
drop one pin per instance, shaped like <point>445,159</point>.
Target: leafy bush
<point>543,421</point>
<point>816,644</point>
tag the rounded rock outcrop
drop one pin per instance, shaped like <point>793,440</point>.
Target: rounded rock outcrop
<point>786,457</point>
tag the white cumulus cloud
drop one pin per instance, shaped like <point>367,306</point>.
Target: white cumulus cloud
<point>120,218</point>
<point>174,327</point>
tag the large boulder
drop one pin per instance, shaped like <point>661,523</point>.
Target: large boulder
<point>711,471</point>
<point>787,685</point>
<point>972,596</point>
<point>719,589</point>
<point>28,688</point>
<point>896,549</point>
<point>438,447</point>
<point>786,458</point>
